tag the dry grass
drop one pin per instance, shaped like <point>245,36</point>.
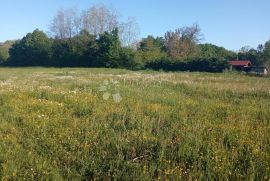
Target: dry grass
<point>83,124</point>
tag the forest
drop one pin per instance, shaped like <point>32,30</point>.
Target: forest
<point>96,37</point>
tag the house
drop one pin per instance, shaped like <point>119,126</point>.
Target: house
<point>240,65</point>
<point>259,70</point>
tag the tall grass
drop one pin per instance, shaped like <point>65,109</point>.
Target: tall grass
<point>56,125</point>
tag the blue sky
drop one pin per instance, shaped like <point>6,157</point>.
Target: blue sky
<point>228,23</point>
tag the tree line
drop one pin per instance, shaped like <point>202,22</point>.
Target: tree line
<point>96,38</point>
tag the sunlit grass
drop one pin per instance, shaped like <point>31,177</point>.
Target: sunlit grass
<point>82,124</point>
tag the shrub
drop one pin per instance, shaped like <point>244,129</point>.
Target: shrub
<point>201,65</point>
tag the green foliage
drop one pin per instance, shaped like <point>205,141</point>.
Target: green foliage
<point>266,53</point>
<point>259,56</point>
<point>4,48</point>
<point>61,53</point>
<point>151,49</point>
<point>33,50</point>
<point>209,51</point>
<point>109,47</point>
<point>84,49</point>
<point>129,60</point>
<point>3,56</point>
<point>178,50</point>
<point>81,43</point>
<point>253,55</point>
<point>78,51</point>
<point>200,65</point>
<point>182,43</point>
<point>152,44</point>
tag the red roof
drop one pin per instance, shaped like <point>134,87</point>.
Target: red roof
<point>240,63</point>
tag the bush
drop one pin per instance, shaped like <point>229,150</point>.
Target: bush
<point>201,65</point>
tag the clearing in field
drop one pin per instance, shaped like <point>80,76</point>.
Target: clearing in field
<point>82,124</point>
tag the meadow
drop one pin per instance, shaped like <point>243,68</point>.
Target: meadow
<point>99,124</point>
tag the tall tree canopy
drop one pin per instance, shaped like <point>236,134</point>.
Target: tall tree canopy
<point>181,43</point>
<point>33,50</point>
<point>256,56</point>
<point>266,53</point>
<point>65,24</point>
<point>99,18</point>
<point>209,51</point>
<point>96,20</point>
<point>109,47</point>
<point>4,48</point>
<point>151,49</point>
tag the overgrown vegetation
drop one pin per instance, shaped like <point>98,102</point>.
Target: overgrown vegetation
<point>4,50</point>
<point>83,124</point>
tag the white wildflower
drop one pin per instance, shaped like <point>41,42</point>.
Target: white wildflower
<point>72,92</point>
<point>40,116</point>
<point>45,87</point>
<point>64,77</point>
<point>106,96</point>
<point>102,88</point>
<point>106,82</point>
<point>117,98</point>
<point>115,82</point>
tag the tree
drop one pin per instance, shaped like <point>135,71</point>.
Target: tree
<point>96,20</point>
<point>65,24</point>
<point>209,51</point>
<point>129,32</point>
<point>81,42</point>
<point>266,53</point>
<point>128,58</point>
<point>254,55</point>
<point>109,47</point>
<point>99,19</point>
<point>181,43</point>
<point>4,48</point>
<point>61,53</point>
<point>3,57</point>
<point>33,50</point>
<point>151,43</point>
<point>151,49</point>
<point>84,48</point>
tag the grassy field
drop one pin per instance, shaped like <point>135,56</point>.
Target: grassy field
<point>83,124</point>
